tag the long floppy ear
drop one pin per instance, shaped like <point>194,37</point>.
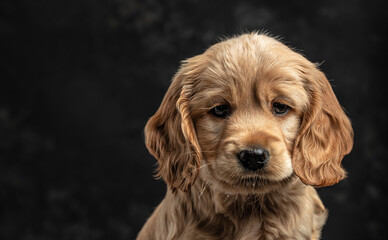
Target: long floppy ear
<point>325,136</point>
<point>170,135</point>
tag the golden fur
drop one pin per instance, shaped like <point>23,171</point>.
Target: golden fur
<point>211,196</point>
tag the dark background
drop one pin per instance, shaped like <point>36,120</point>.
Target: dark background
<point>79,79</point>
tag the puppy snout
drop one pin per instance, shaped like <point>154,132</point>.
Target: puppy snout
<point>253,159</point>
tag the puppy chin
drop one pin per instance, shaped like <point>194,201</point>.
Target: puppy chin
<point>251,185</point>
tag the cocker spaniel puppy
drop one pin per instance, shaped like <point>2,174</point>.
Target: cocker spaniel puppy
<point>243,135</point>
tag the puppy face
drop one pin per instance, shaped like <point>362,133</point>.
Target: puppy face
<point>246,115</point>
<point>249,101</point>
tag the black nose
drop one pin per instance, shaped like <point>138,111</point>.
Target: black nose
<point>253,159</point>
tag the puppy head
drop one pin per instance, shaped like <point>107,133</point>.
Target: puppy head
<point>249,112</point>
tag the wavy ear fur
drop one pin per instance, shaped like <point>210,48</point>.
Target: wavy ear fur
<point>325,136</point>
<point>170,135</point>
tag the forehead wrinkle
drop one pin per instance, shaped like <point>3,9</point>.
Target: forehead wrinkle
<point>211,91</point>
<point>280,81</point>
<point>290,90</point>
<point>219,77</point>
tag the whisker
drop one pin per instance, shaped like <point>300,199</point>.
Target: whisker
<point>205,185</point>
<point>192,152</point>
<point>198,168</point>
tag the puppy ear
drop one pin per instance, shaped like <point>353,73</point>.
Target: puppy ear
<point>325,136</point>
<point>170,135</point>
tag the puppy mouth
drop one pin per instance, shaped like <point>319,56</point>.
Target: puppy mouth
<point>255,184</point>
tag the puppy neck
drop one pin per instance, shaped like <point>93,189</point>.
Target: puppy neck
<point>206,200</point>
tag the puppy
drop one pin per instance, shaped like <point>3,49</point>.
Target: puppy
<point>243,135</point>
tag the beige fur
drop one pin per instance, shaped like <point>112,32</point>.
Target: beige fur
<point>211,196</point>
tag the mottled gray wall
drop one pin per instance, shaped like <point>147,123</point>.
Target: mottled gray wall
<point>79,79</point>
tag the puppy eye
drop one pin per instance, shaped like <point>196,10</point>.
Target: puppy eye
<point>280,109</point>
<point>221,111</point>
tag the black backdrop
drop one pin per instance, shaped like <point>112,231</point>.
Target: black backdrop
<point>79,79</point>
